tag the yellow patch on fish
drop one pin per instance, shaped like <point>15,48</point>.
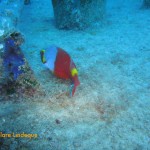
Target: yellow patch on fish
<point>74,72</point>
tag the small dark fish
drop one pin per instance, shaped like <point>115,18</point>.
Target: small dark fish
<point>57,121</point>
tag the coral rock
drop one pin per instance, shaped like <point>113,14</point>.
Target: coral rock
<point>77,14</point>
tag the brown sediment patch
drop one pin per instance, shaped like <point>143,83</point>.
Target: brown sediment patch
<point>101,111</point>
<point>90,111</point>
<point>107,112</point>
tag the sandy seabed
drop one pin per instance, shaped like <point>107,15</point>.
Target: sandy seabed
<point>111,107</point>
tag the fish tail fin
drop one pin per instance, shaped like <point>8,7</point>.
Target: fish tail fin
<point>76,83</point>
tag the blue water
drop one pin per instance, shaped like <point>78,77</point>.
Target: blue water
<point>110,109</point>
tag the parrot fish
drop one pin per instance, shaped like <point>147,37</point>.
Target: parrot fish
<point>61,65</point>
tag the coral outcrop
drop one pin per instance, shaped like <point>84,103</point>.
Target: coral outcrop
<point>77,14</point>
<point>146,3</point>
<point>9,15</point>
